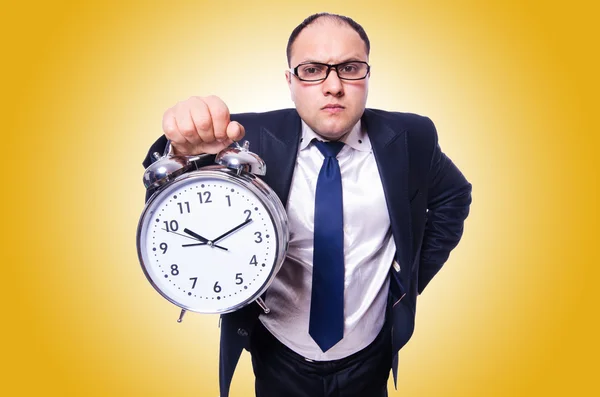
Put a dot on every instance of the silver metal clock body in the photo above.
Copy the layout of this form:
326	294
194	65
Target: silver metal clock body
212	240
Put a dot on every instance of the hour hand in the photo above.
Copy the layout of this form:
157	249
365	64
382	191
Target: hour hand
196	235
203	240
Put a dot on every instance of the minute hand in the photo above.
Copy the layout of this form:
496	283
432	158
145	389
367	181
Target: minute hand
238	227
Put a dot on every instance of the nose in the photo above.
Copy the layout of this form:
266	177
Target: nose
332	85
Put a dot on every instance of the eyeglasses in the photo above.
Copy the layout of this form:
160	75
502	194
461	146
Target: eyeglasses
315	71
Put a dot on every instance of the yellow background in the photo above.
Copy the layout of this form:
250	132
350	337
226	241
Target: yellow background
511	85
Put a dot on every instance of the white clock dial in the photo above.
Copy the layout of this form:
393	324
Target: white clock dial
208	243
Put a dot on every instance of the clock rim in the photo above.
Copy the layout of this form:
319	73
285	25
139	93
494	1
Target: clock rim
261	191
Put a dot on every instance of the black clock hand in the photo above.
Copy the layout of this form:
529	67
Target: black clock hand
204	240
216	246
179	234
241	225
192	245
195	235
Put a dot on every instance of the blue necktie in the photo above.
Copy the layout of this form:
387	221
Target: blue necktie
327	300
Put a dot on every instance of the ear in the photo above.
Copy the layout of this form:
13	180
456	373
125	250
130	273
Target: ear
288	77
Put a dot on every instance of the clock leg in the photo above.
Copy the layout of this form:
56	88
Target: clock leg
180	319
262	305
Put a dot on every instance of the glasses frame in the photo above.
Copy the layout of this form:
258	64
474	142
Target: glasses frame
294	71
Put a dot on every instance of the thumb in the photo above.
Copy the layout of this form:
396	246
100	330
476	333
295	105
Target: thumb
235	131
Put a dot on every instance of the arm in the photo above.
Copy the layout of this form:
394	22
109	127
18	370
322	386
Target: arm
448	204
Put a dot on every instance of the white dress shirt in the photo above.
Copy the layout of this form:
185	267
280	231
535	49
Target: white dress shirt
369	250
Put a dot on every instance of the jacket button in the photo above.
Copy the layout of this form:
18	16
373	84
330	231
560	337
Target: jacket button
242	332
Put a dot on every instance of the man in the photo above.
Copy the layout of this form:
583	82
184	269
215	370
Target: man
344	301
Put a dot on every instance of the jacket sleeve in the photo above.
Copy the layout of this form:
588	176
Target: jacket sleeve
448	204
157	147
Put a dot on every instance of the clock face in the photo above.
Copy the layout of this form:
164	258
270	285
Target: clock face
208	243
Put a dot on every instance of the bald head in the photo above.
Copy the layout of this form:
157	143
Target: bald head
325	17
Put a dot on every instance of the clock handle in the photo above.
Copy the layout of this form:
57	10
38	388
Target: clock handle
262	305
168	148
180	319
245	146
168	151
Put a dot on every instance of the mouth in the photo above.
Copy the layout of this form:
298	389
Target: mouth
333	108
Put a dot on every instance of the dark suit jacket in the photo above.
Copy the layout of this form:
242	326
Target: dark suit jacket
427	198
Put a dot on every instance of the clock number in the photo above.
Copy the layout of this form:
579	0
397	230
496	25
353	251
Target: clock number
238	278
253	261
228	200
163	247
187	206
171	226
258	237
194	279
248	212
217	287
206	197
174	270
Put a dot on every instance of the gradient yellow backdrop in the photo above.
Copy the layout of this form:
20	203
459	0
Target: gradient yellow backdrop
512	87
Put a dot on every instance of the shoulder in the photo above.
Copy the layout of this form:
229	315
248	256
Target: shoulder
283	125
403	121
420	130
264	119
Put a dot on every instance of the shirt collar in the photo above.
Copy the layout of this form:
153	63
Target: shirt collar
357	138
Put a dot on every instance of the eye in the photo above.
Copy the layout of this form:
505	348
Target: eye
311	69
349	68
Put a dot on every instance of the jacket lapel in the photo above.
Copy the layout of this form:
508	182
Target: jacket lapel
390	149
279	149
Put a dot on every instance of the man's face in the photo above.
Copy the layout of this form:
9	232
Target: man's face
330	107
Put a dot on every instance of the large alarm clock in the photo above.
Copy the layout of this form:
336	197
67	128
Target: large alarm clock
211	239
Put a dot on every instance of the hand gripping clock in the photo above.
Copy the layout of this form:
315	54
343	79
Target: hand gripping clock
211	239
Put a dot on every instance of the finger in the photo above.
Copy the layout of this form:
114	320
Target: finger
235	131
171	129
186	122
219	113
202	120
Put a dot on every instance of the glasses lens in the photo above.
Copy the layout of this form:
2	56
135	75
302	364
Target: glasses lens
312	71
352	70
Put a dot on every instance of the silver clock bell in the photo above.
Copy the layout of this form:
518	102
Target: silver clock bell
241	159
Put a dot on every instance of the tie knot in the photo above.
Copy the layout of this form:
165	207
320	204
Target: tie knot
329	149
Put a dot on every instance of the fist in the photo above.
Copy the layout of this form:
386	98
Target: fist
200	125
